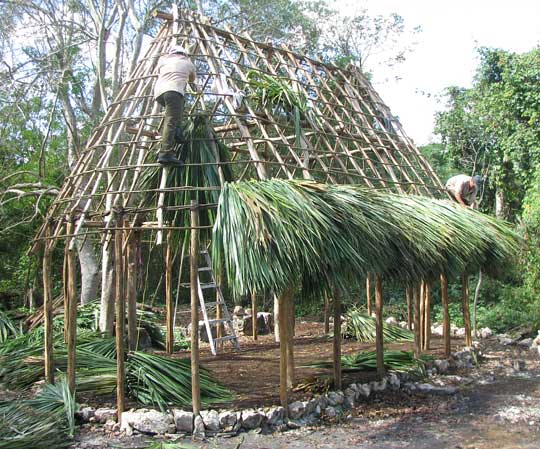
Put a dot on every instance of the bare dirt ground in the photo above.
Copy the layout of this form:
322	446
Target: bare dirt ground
497	406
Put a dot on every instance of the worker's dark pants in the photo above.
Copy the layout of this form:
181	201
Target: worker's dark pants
173	102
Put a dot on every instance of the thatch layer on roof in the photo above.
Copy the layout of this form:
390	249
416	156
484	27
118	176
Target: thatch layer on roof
271	234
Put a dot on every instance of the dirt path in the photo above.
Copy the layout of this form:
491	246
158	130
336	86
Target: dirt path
497	407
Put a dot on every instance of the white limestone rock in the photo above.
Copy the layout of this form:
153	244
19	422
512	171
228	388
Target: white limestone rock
211	420
183	421
148	421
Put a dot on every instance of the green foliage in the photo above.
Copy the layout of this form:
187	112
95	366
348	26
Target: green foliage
400	361
363	328
7	328
45	421
274	234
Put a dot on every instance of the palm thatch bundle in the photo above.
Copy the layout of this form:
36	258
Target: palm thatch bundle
45	421
7	327
399	361
363	328
272	234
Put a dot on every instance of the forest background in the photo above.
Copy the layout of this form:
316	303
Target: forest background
64	60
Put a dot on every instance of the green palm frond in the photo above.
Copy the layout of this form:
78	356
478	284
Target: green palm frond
363	328
272	234
7	328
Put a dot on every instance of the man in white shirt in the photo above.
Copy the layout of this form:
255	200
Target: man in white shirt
464	189
174	69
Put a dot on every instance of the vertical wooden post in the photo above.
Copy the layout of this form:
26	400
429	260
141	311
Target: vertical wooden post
254	315
131	290
417	343
47	308
408	293
277	324
290	338
337	339
193	275
422	307
70	315
368	293
446	315
283	392
120	316
65	282
379	339
465	308
219	313
169	306
427	315
326	313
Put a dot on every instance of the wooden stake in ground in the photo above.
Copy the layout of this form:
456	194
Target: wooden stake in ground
71	313
427	316
277	324
47	309
379	339
120	318
193	277
446	315
337	339
408	293
254	315
368	293
290	338
283	391
465	308
417	333
169	305
422	313
131	289
326	313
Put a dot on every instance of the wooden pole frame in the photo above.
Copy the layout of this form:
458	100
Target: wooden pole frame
194	295
289	303
465	308
368	294
120	318
169	303
71	313
337	340
446	315
427	316
417	333
131	288
254	315
379	338
47	309
283	390
326	313
408	294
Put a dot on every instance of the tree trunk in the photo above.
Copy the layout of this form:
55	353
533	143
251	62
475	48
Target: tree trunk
89	270
501	208
106	310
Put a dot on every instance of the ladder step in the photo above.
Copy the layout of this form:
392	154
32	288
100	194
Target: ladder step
205	269
209	285
216	321
227	338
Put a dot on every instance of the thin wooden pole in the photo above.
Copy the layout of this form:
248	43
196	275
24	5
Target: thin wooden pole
290	338
71	313
277	323
47	309
120	319
368	293
465	308
169	305
422	307
408	293
337	339
283	392
219	313
65	282
417	343
427	315
446	315
379	339
131	290
254	315
193	276
326	313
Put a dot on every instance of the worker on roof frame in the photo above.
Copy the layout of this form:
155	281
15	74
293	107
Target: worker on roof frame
464	189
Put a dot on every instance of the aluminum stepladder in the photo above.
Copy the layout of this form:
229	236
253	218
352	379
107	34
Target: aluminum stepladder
209	308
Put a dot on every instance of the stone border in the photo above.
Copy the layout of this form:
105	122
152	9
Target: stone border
301	413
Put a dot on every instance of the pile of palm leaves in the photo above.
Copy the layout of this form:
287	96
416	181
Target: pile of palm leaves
151	379
363	328
400	361
7	328
276	233
45	421
274	92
